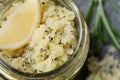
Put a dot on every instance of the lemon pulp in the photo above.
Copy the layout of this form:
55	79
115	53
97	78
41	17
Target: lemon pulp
17	30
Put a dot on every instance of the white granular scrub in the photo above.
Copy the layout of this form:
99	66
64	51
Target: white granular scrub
52	43
106	69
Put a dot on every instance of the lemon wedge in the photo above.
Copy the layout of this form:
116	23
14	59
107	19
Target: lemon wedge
17	30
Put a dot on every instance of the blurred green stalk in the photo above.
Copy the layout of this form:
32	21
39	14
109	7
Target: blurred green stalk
99	20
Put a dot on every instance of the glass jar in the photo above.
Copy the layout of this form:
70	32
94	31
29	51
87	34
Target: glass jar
71	67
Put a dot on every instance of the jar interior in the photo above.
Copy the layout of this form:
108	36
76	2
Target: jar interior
69	5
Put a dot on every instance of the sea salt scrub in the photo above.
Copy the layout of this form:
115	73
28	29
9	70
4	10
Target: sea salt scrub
51	45
107	68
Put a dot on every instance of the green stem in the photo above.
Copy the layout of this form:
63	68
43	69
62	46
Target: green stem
107	26
90	12
97	29
101	34
97	22
97	32
117	33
